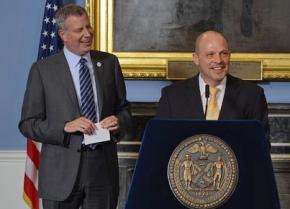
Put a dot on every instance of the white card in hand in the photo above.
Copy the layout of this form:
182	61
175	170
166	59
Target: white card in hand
101	135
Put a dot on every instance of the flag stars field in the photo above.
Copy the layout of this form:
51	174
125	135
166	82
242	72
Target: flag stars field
48	6
46	20
45	33
52	35
43	46
55	7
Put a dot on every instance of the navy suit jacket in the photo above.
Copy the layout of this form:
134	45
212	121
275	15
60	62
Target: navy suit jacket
242	101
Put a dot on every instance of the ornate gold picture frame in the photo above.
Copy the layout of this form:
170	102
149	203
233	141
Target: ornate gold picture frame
154	65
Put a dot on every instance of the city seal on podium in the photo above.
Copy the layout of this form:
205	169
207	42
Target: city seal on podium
202	172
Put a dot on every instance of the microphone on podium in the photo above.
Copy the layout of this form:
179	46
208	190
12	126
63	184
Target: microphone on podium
206	96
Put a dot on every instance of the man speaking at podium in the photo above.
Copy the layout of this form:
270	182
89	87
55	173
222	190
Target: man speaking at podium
213	94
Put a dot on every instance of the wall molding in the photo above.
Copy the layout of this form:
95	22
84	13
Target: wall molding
20	155
12	155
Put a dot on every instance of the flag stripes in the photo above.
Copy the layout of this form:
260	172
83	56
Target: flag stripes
49	44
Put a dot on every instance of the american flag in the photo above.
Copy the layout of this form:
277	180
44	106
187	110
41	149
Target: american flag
50	43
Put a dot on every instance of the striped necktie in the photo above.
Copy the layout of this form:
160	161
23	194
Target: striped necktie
88	108
213	110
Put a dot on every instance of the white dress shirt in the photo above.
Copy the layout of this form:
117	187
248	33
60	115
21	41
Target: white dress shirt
220	94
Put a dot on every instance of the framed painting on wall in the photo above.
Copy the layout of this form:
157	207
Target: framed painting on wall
148	35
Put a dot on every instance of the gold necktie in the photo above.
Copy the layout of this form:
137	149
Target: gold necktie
213	108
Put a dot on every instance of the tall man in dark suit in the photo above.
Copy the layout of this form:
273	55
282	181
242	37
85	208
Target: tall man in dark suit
235	99
71	174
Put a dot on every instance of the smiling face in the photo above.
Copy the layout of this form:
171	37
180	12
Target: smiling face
77	35
212	55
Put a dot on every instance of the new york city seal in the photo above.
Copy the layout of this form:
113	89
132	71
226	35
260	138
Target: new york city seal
202	172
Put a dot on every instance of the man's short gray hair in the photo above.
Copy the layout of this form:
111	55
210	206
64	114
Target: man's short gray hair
68	10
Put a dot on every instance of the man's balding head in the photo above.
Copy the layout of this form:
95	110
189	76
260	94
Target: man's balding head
205	36
212	55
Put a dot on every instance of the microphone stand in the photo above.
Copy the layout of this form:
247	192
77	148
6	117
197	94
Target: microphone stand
206	96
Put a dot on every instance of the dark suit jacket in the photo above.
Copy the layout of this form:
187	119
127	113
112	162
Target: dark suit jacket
50	101
242	101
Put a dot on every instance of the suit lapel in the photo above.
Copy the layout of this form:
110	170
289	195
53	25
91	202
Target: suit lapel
228	101
64	74
194	100
98	66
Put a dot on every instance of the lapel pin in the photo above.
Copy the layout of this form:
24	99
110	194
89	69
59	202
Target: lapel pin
99	64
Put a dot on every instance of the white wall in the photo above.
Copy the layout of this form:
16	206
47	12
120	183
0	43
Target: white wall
12	165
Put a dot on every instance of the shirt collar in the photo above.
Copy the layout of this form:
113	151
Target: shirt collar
221	86
73	59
